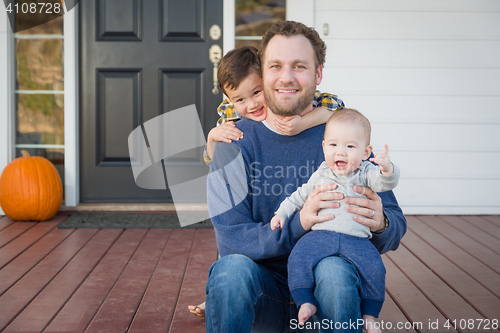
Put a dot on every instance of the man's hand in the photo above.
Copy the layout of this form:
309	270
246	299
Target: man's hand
319	199
384	161
290	126
368	211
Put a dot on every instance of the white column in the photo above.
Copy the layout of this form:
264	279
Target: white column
228	25
71	111
6	92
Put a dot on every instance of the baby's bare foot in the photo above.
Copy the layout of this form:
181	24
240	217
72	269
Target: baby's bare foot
370	324
198	310
306	310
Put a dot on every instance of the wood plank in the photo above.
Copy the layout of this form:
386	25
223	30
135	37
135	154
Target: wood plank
463	251
178	278
118	310
14	230
157	308
487	304
492	218
27	239
484	238
445	299
5	222
45	306
28	259
203	254
21	293
485	225
78	312
416	307
392	319
483	274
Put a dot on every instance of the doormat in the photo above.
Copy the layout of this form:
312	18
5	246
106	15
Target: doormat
132	221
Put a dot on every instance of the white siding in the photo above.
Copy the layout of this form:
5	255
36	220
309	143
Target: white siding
427	75
300	10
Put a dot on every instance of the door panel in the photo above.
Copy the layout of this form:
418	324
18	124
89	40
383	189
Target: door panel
118	20
182	27
180	87
117	112
140	59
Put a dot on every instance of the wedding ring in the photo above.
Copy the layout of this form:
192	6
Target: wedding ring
373	213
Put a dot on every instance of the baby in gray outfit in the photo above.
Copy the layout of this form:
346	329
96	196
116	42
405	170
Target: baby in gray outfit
346	146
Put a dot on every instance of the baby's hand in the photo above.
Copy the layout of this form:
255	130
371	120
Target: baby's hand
225	132
290	126
384	161
277	222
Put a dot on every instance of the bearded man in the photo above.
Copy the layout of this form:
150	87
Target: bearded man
247	288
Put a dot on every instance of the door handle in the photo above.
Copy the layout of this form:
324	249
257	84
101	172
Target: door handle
215	55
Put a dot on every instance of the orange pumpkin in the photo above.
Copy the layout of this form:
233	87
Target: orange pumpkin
30	189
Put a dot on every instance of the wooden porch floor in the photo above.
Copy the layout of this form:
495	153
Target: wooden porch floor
139	280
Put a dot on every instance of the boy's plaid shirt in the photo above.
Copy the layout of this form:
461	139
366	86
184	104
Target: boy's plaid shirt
227	111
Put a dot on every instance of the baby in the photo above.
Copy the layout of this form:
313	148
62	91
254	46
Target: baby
346	146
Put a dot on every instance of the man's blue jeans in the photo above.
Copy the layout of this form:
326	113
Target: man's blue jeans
243	296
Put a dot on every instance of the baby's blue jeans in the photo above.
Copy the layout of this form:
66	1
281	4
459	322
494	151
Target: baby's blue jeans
360	252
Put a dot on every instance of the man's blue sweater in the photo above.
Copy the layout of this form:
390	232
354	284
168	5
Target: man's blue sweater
244	190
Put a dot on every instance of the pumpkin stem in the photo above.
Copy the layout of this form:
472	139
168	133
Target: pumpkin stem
25	153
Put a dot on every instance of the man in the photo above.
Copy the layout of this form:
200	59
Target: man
247	288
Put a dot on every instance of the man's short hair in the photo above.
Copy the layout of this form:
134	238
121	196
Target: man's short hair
236	65
292	28
351	116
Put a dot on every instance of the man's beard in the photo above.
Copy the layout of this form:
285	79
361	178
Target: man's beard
290	107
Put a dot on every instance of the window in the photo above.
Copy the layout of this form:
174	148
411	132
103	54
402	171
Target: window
254	17
39	90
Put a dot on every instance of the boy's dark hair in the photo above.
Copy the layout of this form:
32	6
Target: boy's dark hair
292	28
236	65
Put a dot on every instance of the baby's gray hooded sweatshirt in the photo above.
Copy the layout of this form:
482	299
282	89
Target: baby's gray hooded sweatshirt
367	174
